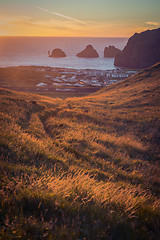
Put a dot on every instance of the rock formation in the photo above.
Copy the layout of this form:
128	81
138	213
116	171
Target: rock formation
111	51
57	53
141	51
88	52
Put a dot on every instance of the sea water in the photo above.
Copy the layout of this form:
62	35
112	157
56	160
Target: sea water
33	51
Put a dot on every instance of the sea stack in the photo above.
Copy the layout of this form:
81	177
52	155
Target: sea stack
56	53
141	51
88	52
111	51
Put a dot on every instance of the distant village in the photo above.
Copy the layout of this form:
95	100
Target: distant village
73	78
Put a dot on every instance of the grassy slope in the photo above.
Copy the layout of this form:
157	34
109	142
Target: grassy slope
82	168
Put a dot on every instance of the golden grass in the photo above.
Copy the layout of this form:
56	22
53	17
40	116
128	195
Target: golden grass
82	168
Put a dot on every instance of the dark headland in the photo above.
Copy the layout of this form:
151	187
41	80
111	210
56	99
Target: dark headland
141	51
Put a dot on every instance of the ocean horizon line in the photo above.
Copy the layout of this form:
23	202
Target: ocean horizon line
60	37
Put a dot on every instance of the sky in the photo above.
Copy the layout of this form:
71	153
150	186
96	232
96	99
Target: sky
78	18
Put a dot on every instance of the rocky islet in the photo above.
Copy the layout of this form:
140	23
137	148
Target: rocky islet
88	52
56	53
111	51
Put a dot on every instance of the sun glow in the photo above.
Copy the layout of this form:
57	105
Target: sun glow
76	19
26	26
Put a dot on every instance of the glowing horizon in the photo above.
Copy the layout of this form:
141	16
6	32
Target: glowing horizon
87	18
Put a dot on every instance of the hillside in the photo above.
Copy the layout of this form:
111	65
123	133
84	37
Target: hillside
82	168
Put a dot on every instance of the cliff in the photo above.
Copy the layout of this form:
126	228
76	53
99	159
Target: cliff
141	51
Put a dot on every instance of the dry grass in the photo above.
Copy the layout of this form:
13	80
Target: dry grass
83	168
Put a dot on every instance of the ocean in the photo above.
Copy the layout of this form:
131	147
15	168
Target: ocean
33	51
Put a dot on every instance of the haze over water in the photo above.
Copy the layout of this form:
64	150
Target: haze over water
27	51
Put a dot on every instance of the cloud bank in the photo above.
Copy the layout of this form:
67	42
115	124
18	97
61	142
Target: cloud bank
153	23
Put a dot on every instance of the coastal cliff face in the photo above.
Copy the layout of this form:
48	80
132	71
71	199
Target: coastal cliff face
111	51
141	51
57	53
88	52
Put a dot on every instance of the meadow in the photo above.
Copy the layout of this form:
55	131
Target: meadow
84	167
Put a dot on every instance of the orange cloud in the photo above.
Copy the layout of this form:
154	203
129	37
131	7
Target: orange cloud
153	23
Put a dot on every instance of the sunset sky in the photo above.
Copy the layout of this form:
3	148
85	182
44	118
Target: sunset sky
78	18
